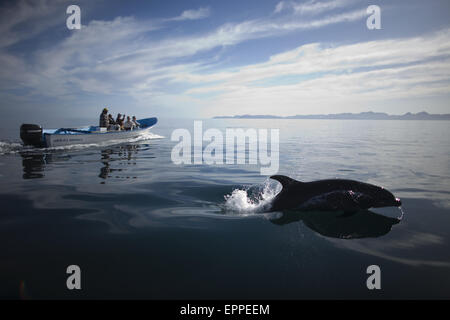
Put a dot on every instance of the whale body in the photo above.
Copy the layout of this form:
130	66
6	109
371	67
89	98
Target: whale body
331	195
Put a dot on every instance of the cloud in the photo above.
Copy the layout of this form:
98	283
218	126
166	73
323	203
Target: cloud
316	77
131	63
311	7
343	92
25	19
235	33
94	59
280	6
200	13
318	58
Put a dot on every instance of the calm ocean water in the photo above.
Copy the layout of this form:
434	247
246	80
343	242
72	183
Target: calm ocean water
140	226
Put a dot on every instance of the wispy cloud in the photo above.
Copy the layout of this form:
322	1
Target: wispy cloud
314	75
32	16
96	59
312	6
317	58
200	13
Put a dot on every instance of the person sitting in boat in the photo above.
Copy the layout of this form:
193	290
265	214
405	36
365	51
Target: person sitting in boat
104	122
119	120
129	125
112	123
136	124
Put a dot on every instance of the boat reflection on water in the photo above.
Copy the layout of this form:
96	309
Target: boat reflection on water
35	162
361	224
126	154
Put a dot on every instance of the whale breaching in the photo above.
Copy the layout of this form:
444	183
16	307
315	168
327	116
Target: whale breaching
331	195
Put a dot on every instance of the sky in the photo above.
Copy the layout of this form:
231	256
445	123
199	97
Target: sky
203	58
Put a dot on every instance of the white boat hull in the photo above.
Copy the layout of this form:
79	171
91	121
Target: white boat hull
59	140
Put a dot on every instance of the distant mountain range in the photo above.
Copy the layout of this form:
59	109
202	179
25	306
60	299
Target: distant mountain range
349	116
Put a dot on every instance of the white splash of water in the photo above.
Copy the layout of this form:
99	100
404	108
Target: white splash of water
243	201
10	147
402	213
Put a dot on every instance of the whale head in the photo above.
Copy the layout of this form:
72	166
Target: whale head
383	198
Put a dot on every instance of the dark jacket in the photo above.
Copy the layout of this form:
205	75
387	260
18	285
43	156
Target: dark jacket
104	121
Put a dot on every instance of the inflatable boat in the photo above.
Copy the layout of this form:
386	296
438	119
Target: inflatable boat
33	134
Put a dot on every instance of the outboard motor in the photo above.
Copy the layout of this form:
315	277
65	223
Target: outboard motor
31	134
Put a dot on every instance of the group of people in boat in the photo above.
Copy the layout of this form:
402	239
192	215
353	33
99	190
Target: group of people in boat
107	121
